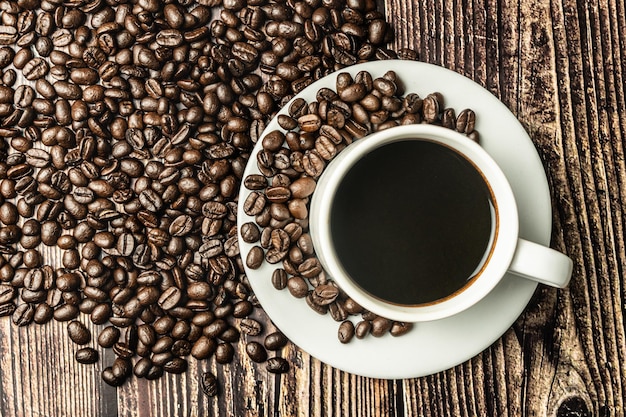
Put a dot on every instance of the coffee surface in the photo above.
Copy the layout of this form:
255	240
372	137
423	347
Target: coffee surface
411	222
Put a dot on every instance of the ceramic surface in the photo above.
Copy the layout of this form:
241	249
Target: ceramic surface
436	345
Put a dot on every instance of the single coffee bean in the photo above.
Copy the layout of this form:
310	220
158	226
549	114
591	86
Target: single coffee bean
123	350
164	324
7	293
182	347
352	307
310	268
23	315
275	341
209	384
78	333
142	367
242	309
170	298
86	355
43	313
155	372
66	312
250	232
400	328
254	258
35	68
175	366
204	347
279	279
7	309
110	378
224	353
362	329
277	365
256	351
302	187
346	331
251	327
121	368
297	286
325	294
380	326
100	314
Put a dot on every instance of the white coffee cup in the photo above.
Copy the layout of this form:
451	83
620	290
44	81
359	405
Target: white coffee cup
507	252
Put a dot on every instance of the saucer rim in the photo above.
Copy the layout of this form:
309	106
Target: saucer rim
508	299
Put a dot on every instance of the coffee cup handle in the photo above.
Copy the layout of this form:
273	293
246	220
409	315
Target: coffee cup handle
542	264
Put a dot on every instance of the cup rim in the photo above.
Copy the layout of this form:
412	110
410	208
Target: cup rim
502	248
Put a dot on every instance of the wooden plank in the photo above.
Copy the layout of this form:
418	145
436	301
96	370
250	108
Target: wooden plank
558	65
40	376
315	389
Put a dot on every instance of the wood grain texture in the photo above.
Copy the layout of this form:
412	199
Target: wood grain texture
558	66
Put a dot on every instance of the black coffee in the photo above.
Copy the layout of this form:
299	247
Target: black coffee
411	222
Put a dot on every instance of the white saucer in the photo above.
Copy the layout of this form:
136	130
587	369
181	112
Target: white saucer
431	346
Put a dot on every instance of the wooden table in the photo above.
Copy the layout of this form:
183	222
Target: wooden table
558	67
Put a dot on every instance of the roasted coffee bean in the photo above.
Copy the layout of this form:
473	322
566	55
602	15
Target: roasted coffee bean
362	329
155	372
431	109
86	355
182	347
279	279
121	368
224	353
251	327
352	307
50	232
204	347
302	187
209	384
78	333
254	204
277	365
297	286
310	268
43	313
7	293
142	367
35	69
170	298
7	309
66	312
400	328
465	121
380	326
255	257
256	351
325	294
8	213
110	378
345	332
101	313
199	291
23	314
255	182
275	341
123	350
169	364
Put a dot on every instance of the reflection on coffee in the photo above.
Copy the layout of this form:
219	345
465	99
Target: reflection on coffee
411	222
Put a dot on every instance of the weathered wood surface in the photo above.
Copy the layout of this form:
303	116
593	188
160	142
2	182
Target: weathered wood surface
558	66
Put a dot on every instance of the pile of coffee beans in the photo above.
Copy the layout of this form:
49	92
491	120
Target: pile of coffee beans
125	127
290	162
